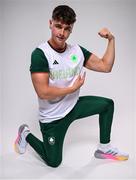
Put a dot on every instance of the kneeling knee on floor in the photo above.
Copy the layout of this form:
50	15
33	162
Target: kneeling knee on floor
54	162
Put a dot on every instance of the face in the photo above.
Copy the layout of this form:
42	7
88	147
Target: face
59	33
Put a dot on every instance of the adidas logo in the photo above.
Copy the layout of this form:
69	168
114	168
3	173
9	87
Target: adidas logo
55	62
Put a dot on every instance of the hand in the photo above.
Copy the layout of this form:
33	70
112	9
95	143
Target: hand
105	33
78	82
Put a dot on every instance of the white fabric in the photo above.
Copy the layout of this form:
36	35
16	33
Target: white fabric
64	68
104	147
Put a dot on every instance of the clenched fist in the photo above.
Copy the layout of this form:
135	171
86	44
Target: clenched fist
105	33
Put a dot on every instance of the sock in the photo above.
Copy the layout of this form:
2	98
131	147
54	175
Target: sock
104	147
26	132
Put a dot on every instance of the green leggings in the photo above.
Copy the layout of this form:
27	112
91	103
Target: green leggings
50	150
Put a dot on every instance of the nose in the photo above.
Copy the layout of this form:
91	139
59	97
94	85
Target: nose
61	33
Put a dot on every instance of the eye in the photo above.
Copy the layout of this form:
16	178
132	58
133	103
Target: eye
58	26
68	29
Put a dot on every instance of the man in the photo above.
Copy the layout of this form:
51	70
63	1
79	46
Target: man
57	75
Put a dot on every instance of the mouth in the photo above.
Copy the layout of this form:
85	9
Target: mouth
60	38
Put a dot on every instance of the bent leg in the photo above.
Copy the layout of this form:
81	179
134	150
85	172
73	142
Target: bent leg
91	105
52	143
37	145
50	150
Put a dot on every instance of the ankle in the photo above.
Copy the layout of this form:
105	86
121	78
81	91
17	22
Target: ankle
104	147
26	132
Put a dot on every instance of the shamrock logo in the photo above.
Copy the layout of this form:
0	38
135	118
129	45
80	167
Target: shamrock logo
74	58
51	140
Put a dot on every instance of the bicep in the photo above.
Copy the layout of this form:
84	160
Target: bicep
95	63
40	82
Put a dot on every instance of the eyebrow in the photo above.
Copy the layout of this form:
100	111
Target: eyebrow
60	24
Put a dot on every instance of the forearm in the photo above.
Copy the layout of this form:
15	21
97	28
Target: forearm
109	56
52	92
47	91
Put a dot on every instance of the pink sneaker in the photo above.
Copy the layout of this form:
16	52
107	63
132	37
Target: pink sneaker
112	153
20	142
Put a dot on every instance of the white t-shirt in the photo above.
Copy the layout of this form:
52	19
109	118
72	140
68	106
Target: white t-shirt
64	68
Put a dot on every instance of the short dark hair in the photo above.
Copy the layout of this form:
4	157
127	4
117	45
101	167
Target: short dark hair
64	14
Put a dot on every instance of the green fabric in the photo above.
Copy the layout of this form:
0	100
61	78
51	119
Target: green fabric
39	62
86	54
51	148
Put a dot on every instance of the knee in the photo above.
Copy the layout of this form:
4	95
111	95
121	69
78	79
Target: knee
110	103
54	163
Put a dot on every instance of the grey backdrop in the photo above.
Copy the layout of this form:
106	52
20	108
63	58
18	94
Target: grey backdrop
23	26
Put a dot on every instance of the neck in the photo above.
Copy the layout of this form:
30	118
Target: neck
56	46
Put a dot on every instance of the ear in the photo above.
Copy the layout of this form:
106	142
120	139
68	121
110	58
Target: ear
50	23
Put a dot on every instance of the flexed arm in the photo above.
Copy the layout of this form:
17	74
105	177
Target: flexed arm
105	63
